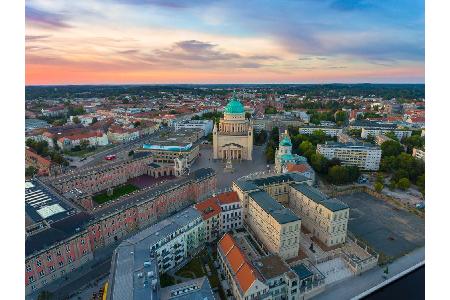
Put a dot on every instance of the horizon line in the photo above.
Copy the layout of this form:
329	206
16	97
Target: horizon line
172	84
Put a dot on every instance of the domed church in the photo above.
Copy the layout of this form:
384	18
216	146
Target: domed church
233	138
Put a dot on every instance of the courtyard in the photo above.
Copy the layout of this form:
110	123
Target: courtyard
390	231
240	168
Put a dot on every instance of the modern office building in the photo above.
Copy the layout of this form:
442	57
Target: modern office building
205	125
366	157
166	147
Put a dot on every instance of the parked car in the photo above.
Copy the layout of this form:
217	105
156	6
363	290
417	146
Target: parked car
110	157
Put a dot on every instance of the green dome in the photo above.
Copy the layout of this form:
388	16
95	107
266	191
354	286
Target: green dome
285	142
234	107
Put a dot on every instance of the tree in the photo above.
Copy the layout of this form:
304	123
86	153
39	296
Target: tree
403	184
306	146
391	148
378	186
84	144
131	153
248	115
338	175
76	120
30	171
94	120
270	110
391	135
137	124
341	117
420	182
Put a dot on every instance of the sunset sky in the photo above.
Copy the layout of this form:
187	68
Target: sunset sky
246	41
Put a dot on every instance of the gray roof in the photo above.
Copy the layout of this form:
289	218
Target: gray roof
302	271
373	124
198	288
131	254
246	185
281	214
320	198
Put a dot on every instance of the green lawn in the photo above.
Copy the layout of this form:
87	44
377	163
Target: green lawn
117	192
195	266
166	280
86	152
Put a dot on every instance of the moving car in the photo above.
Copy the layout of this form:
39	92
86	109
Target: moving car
110	157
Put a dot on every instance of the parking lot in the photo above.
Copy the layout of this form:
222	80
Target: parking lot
386	228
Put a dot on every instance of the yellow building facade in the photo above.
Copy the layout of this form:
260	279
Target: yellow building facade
233	137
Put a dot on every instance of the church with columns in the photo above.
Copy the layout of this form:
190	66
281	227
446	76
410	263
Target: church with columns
233	137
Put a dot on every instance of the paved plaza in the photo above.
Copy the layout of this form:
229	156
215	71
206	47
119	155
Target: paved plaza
383	226
240	168
334	270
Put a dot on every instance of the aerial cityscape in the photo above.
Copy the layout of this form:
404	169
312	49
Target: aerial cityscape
206	150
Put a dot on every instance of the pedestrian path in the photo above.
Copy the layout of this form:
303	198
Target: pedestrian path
355	285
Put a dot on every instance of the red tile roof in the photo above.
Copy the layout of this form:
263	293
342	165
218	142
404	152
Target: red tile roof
245	273
208	208
297	168
228	197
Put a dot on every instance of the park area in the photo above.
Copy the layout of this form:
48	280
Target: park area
117	192
389	230
199	266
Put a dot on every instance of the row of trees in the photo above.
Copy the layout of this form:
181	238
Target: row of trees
214	116
259	138
402	167
272	144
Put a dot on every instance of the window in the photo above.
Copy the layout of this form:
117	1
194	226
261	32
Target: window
61	263
28	268
41	273
49	258
38	263
58	253
31	279
51	268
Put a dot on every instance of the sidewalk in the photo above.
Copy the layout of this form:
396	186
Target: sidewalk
354	286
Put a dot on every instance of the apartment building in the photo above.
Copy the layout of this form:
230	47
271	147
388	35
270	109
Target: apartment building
329	130
324	217
399	133
266	277
210	211
365	157
94	138
221	213
154	250
244	280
